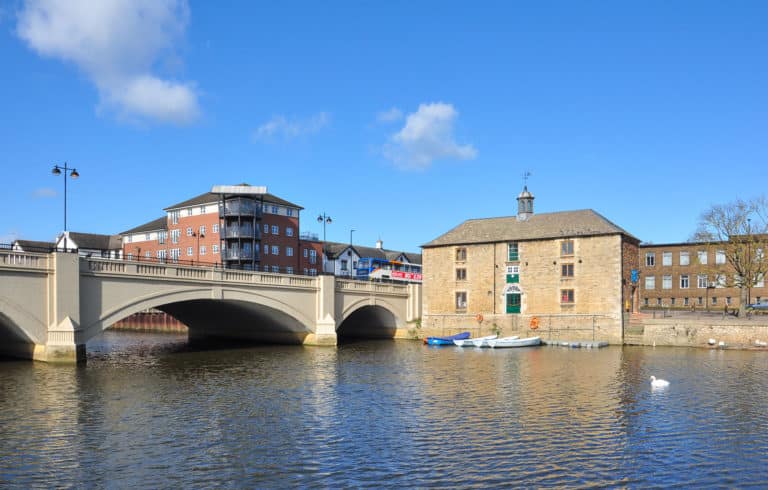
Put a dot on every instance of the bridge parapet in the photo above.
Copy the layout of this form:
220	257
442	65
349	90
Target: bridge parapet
100	266
371	286
25	260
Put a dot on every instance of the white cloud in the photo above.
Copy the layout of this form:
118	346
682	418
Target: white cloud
44	192
391	115
427	136
280	126
116	43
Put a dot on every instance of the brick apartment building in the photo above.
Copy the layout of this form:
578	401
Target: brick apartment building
245	228
690	275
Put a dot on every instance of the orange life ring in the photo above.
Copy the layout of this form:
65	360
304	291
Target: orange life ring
534	323
479	318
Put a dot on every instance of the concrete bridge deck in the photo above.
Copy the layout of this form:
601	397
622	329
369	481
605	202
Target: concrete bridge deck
52	304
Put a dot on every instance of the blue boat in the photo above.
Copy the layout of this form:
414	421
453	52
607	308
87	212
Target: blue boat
446	340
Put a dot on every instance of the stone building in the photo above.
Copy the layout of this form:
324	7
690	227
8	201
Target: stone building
691	276
566	273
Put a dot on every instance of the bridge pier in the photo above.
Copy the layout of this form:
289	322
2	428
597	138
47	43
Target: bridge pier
63	343
325	323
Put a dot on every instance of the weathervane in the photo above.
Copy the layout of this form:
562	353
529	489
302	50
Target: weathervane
525	178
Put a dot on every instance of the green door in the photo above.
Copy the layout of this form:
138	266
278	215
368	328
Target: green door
513	303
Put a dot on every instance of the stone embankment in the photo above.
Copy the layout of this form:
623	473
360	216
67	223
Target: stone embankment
697	329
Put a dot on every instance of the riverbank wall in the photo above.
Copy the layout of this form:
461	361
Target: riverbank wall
151	321
705	330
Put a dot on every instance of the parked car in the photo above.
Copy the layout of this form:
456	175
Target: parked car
760	305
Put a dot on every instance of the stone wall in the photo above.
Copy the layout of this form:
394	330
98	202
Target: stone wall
683	332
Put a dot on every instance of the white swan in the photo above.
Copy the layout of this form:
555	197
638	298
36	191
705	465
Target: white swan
659	383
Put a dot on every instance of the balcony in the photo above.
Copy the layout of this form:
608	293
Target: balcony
240	207
235	254
235	231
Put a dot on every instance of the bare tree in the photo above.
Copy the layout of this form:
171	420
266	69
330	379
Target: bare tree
739	231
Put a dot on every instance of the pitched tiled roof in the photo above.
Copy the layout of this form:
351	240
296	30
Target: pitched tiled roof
334	249
154	225
34	246
210	197
562	224
95	241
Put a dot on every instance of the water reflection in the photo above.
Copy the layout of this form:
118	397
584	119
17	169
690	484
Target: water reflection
382	413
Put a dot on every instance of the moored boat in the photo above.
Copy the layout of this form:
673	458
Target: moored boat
476	342
514	342
446	340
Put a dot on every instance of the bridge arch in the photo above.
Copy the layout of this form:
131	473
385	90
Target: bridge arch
364	318
170	302
21	323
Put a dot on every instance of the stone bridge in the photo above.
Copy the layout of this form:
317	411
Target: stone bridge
52	304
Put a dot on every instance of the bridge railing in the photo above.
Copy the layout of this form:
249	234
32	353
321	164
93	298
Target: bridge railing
187	272
370	286
27	260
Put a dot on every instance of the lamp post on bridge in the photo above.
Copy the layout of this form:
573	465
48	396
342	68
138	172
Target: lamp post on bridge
350	252
325	220
57	170
198	234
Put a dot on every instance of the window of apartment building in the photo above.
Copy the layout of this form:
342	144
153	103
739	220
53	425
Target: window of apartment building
461	253
175	235
147	237
147	254
567	296
189	251
130	256
162	237
288	231
701	282
312	272
714	300
720	257
275	210
201	230
344	264
189	212
215	249
289	251
306	271
684	281
513	252
306	252
275	250
702	255
175	254
666	282
289	211
650	282
289	270
760	283
567	270
566	248
266	228
686	301
215	228
203	249
130	238
700	301
202	209
720	281
266	249
461	300
174	217
685	258
275	230
650	259
666	258
313	256
189	231
461	274
161	254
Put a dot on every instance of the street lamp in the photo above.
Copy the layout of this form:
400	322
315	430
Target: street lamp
325	220
57	171
350	251
198	235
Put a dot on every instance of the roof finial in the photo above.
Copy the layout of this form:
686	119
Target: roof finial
526	174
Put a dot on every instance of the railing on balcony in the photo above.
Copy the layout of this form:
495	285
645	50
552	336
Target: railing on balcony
237	254
236	231
240	207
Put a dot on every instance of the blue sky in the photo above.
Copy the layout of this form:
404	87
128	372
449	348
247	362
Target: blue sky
398	119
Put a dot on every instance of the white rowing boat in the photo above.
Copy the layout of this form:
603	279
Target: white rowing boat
514	342
476	342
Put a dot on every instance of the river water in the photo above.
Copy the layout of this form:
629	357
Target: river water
147	411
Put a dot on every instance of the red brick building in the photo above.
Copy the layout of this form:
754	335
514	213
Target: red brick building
254	231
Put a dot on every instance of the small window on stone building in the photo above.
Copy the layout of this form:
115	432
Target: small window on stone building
685	258
461	300
666	258
461	254
461	274
702	256
658	301
650	282
714	300
513	252
567	270
728	300
720	257
566	296
684	281
700	300
685	301
566	248
666	282
650	259
672	301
